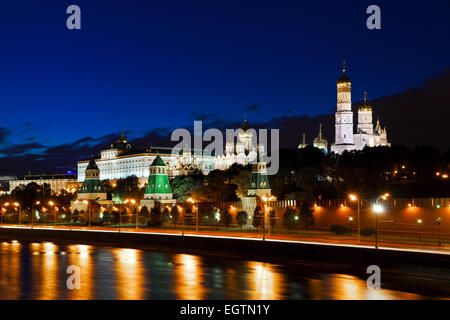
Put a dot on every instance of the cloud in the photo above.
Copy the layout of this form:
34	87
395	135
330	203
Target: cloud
4	132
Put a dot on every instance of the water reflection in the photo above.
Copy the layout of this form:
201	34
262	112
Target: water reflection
38	271
46	262
79	256
265	282
130	279
188	278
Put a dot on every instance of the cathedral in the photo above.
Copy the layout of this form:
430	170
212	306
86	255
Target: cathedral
366	134
242	152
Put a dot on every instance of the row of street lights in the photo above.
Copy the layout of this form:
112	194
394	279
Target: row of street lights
19	205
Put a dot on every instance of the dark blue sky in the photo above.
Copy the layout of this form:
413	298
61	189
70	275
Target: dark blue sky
141	65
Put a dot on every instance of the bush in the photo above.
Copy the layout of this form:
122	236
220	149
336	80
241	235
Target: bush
338	229
367	231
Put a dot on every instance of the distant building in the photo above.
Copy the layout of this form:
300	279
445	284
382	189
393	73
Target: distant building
123	160
303	144
320	142
57	182
242	152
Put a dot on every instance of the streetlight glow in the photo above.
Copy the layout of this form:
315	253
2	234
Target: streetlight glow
378	208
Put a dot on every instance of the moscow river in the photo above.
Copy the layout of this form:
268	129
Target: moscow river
39	271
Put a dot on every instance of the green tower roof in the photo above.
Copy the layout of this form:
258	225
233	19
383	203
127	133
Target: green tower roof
92	186
92	165
158	162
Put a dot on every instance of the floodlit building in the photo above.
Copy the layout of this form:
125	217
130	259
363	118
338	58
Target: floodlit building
345	139
243	151
158	187
57	182
123	160
320	142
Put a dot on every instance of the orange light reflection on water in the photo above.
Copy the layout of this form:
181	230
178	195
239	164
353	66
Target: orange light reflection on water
130	274
79	256
188	278
266	283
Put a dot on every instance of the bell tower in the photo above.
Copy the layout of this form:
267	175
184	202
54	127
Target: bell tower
344	114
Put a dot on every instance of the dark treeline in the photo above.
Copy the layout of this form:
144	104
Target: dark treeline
308	174
304	174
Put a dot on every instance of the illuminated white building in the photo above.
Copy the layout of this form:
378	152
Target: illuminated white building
366	135
243	151
122	160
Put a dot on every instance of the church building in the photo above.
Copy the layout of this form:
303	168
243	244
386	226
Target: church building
366	135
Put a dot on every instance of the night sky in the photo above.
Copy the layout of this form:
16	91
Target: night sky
150	66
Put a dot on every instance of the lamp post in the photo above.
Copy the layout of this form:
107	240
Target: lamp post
419	221
133	202
89	207
438	223
17	204
32	213
377	208
180	209
196	212
1	216
4	211
354	197
120	217
51	204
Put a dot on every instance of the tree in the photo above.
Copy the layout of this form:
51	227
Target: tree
144	215
165	216
241	177
217	188
258	216
306	216
227	218
184	186
128	188
241	218
155	217
290	218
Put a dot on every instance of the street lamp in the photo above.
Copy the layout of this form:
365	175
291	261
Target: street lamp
438	223
354	197
196	212
32	213
180	209
17	204
89	207
265	199
419	221
5	210
133	202
51	204
377	208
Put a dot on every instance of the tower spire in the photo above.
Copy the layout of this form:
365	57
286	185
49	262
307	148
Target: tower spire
304	139
320	131
344	63
365	98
